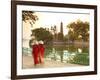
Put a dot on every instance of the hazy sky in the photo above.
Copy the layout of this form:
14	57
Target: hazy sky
48	19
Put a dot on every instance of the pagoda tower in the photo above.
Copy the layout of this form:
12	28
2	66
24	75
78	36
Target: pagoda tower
61	27
61	31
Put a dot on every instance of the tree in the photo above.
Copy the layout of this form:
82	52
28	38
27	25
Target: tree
42	34
29	15
71	35
78	30
54	32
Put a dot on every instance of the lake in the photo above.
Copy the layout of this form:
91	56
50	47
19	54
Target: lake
65	53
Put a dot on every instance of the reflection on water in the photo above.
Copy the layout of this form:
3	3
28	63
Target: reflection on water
65	53
70	53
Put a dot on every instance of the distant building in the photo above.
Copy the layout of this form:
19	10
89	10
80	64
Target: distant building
61	28
61	31
26	34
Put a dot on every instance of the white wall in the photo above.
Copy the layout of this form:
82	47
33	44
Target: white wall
5	37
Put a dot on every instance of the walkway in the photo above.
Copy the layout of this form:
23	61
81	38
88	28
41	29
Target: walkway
28	63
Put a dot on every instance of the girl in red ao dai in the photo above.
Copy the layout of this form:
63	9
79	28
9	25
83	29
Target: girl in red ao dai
41	51
35	52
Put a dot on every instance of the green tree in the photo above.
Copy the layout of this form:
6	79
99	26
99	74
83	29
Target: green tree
71	35
29	15
78	30
42	34
66	38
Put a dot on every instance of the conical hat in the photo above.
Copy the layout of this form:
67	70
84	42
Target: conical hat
41	42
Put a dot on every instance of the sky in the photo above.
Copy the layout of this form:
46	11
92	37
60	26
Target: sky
48	19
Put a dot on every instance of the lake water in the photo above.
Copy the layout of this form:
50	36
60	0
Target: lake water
65	53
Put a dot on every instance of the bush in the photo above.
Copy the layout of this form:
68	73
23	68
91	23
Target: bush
82	59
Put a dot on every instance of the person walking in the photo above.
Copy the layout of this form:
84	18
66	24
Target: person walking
41	51
35	52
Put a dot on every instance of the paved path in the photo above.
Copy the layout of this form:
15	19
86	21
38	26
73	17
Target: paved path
28	63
